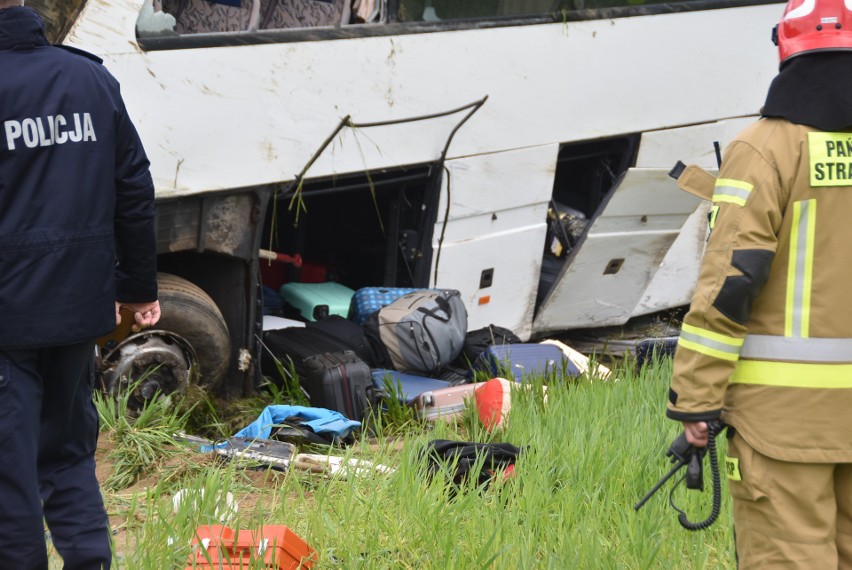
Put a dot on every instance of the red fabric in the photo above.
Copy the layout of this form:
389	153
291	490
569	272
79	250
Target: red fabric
493	401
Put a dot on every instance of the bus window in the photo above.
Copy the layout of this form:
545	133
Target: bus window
436	10
58	15
204	16
279	14
161	17
366	11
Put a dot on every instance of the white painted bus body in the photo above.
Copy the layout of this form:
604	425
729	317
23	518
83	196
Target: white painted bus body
216	119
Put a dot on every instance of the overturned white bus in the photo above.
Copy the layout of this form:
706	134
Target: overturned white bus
515	150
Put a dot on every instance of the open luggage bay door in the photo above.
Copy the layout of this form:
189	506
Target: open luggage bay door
605	277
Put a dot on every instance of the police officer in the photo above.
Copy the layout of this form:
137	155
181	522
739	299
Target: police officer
76	240
767	343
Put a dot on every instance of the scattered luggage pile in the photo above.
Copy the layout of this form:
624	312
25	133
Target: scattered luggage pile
355	345
357	353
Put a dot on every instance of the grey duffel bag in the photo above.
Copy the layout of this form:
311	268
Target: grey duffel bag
421	331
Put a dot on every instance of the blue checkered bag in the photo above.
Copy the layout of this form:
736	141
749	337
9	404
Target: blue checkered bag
368	300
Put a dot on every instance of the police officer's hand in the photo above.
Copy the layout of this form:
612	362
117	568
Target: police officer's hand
145	314
696	433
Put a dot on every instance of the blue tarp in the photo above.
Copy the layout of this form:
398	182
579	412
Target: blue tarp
320	420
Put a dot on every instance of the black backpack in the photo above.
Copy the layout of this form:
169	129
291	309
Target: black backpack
478	341
464	458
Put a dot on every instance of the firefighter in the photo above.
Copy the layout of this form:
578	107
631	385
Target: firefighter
76	240
767	343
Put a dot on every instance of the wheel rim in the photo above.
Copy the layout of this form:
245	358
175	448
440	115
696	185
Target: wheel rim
149	363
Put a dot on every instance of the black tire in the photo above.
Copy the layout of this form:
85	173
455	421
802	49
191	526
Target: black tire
190	313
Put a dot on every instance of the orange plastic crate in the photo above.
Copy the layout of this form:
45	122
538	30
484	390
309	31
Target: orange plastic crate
222	548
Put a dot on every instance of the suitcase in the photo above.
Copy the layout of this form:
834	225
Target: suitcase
477	341
405	386
338	381
368	300
315	301
349	333
291	346
521	360
444	403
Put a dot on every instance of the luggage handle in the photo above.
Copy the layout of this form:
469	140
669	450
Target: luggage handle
443	305
375	394
427	399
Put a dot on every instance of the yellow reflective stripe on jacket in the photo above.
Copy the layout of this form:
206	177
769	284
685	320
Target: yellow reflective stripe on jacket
714	212
800	269
709	342
792	374
797	349
733	191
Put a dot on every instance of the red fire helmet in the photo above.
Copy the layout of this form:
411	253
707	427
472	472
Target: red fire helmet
814	25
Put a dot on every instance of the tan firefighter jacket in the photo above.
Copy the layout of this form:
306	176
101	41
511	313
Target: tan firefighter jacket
767	342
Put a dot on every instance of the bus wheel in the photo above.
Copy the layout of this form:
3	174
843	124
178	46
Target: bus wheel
190	313
148	364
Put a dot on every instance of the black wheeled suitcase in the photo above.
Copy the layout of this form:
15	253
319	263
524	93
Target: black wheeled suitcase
337	381
288	348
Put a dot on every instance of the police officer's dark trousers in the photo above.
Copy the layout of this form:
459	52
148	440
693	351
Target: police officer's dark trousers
48	436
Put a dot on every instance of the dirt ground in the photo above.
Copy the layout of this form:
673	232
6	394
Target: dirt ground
116	502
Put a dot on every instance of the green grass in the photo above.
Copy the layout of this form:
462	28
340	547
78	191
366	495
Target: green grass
591	450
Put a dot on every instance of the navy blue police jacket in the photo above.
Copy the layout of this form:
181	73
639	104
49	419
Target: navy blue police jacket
76	195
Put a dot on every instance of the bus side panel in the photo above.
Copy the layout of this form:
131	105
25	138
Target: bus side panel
674	282
214	118
496	271
495	233
603	279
